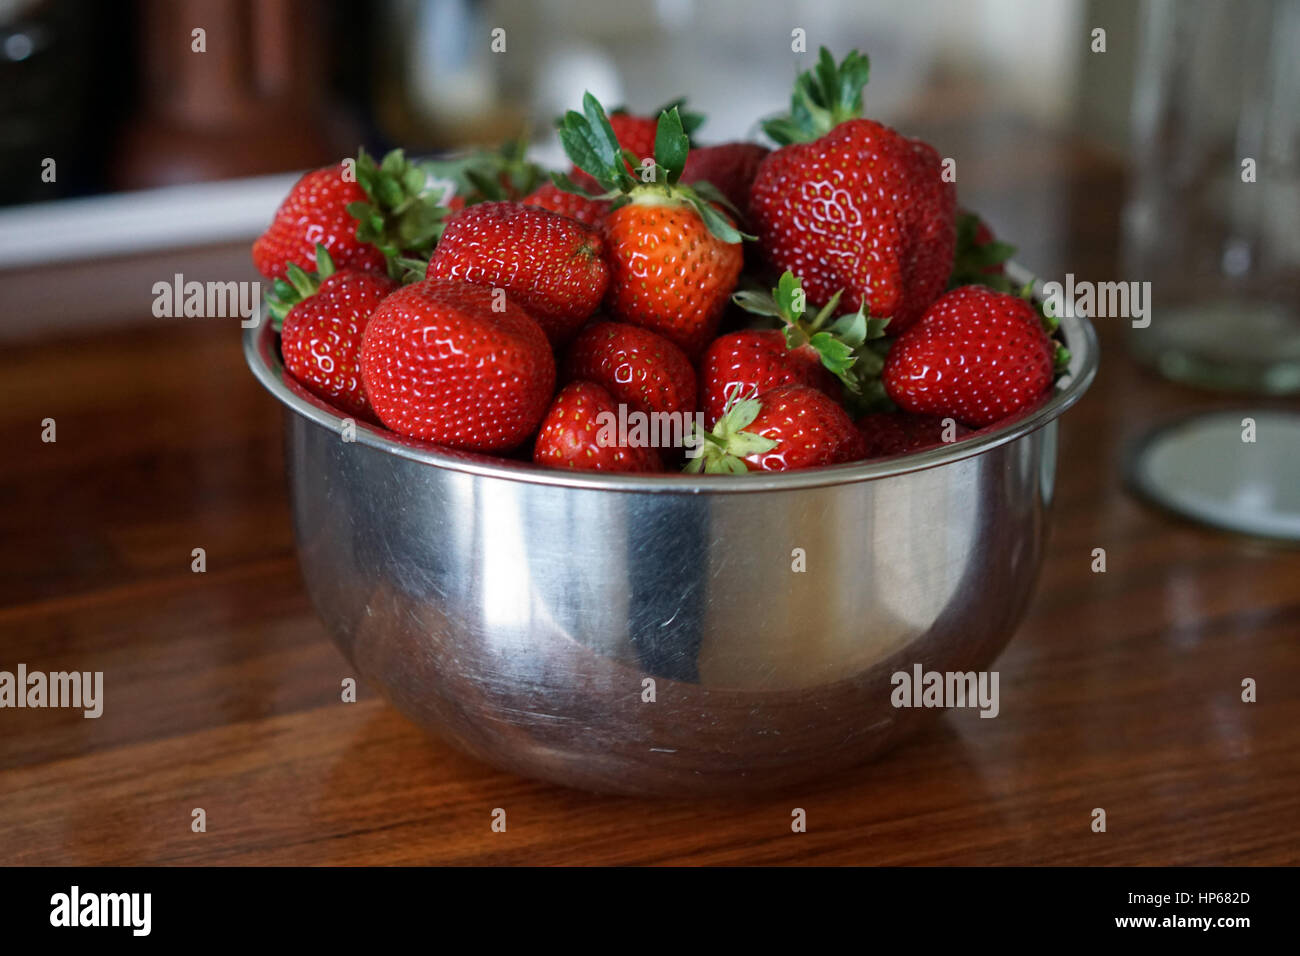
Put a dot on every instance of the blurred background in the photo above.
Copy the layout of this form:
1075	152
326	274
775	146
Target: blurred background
122	98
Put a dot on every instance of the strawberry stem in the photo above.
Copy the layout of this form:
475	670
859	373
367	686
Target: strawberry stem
403	215
842	347
299	285
589	140
823	97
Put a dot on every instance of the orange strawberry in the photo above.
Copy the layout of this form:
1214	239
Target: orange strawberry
673	256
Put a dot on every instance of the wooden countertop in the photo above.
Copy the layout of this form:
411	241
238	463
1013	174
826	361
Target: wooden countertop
222	690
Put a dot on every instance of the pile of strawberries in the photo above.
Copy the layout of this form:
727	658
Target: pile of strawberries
817	303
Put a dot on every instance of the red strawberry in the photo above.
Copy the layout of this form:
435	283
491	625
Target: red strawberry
819	349
731	167
643	370
897	433
635	133
440	363
792	426
552	197
980	256
386	210
316	212
747	363
977	355
550	264
321	336
852	204
571	434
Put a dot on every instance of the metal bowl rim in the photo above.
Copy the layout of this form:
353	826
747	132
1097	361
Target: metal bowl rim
1081	339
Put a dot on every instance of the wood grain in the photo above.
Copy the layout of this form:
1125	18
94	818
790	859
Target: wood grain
1121	690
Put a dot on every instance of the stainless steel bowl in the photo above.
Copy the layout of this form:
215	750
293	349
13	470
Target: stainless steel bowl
648	635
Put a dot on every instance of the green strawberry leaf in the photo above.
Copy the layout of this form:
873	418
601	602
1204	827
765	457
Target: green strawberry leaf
851	328
971	258
716	222
739	413
402	213
706	190
822	98
324	262
564	183
300	285
827	310
410	270
671	145
837	356
724	449
789	297
759	303
743	444
690	121
600	133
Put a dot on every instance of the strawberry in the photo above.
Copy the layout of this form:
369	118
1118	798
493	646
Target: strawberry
440	362
363	220
639	368
550	264
316	213
636	136
980	256
730	167
571	434
324	315
841	347
552	197
897	433
977	355
792	426
746	363
851	204
673	257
